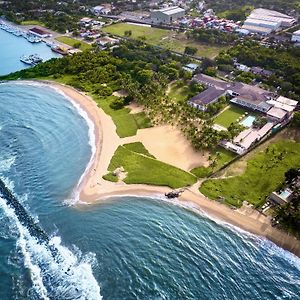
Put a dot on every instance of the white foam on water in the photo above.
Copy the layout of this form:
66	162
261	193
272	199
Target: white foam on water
55	271
6	164
75	199
21	243
191	206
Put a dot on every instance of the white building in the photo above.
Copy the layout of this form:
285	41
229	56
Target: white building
167	15
296	36
102	9
265	21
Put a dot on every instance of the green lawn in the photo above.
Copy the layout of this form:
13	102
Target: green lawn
71	42
127	124
32	22
146	170
220	156
178	91
164	38
264	174
229	116
138	147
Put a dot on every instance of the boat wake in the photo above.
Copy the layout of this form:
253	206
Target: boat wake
56	272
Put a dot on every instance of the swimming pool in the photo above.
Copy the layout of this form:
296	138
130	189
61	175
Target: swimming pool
247	122
285	194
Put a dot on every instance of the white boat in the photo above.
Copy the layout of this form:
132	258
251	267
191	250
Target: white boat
32	59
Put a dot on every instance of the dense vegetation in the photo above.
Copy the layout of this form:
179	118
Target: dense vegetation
141	168
212	36
284	63
288	215
274	161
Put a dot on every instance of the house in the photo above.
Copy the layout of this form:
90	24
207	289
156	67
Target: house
261	71
104	41
39	32
296	36
103	9
281	197
167	15
191	67
86	21
206	98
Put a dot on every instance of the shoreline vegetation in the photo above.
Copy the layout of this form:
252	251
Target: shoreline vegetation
94	188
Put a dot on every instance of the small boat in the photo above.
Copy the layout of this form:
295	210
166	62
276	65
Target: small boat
32	59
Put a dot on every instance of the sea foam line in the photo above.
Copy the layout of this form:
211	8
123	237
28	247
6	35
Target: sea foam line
253	238
75	198
60	276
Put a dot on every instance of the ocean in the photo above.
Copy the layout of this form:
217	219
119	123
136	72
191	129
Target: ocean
123	248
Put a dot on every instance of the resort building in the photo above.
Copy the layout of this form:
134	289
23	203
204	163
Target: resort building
276	110
296	36
207	97
265	21
167	15
39	32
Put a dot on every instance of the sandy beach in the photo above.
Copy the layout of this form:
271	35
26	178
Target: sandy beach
93	188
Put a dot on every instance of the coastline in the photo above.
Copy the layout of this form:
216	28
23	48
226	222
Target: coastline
92	188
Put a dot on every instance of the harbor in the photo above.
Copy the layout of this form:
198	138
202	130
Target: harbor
19	33
17	44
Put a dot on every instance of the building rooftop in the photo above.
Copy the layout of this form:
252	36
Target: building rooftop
257	28
269	12
251	93
280	105
249	139
261	22
277	113
171	10
265	129
208	96
287	101
39	31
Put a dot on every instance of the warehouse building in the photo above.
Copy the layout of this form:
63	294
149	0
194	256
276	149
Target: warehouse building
265	21
167	15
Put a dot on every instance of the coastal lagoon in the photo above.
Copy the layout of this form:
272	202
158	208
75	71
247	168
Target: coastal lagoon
13	47
122	248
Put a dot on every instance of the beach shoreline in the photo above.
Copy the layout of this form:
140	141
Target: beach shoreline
92	188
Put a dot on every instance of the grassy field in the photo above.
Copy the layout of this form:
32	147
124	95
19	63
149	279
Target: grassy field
229	116
164	38
264	174
71	42
127	124
142	169
138	147
178	91
221	157
33	23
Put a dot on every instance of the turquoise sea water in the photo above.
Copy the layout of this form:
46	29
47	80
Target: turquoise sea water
124	248
13	47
